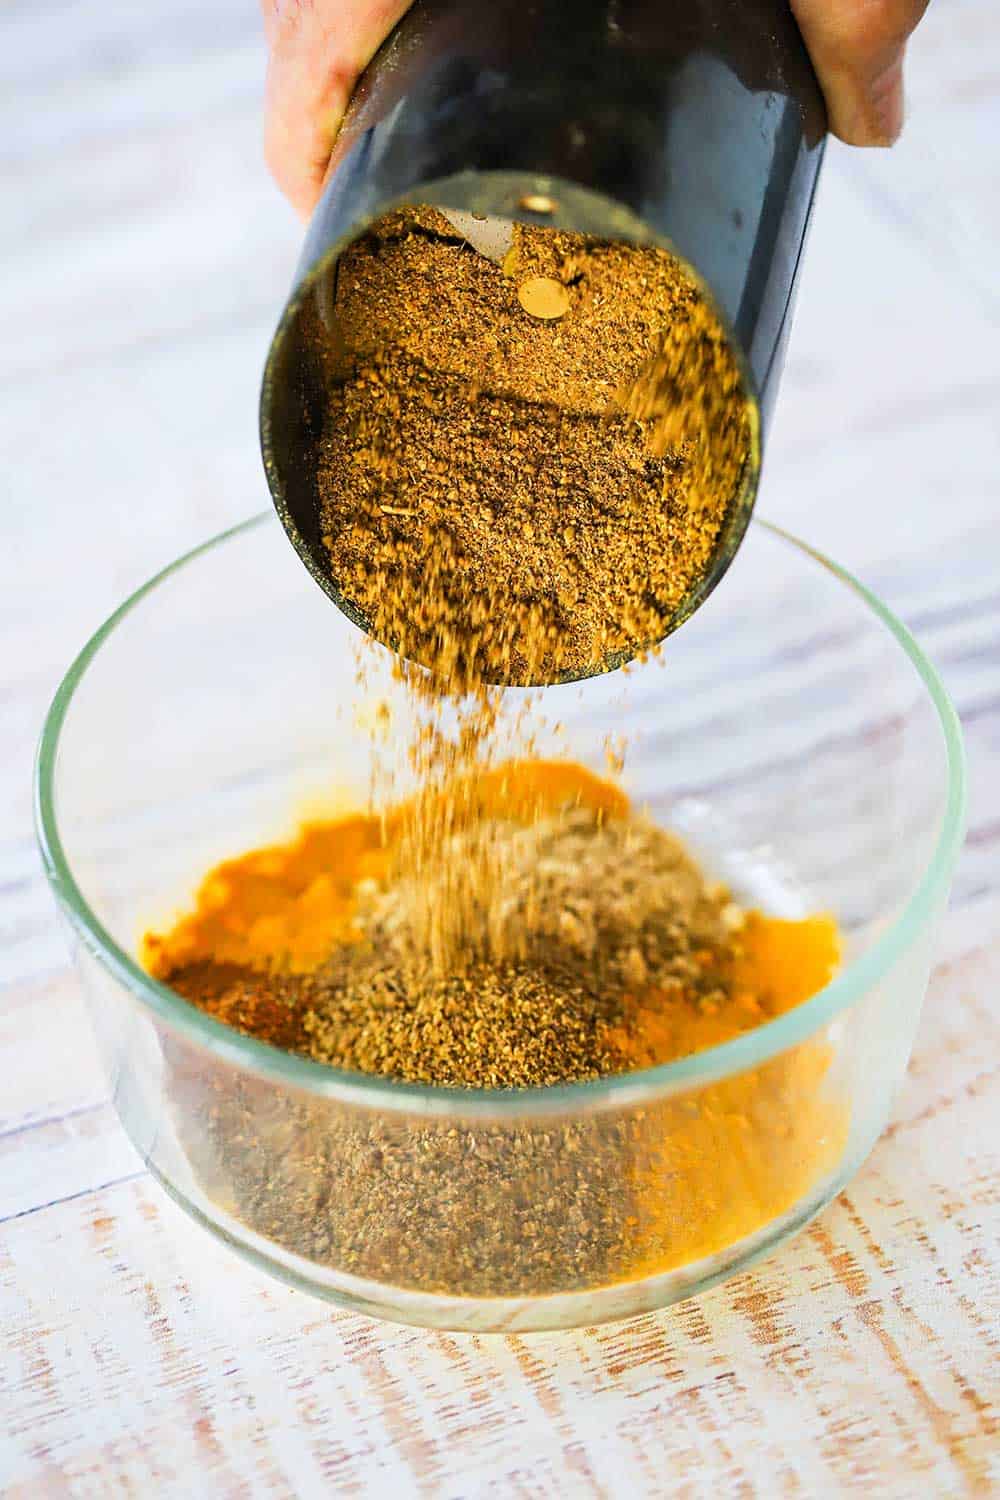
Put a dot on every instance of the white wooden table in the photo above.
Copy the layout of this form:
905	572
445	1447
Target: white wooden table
144	257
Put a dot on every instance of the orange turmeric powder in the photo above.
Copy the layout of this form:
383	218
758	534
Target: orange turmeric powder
287	905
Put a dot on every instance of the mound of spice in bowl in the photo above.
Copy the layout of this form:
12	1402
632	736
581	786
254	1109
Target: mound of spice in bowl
593	945
597	945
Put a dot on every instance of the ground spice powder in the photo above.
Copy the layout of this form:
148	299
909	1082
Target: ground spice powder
524	473
629	958
525	469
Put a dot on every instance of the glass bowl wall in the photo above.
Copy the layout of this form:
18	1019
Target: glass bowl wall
792	732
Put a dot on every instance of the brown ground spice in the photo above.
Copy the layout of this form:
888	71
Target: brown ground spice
512	488
587	913
524	473
629	958
511	496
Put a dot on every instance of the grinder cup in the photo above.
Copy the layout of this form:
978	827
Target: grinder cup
700	129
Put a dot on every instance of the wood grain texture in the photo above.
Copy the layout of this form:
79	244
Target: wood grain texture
145	258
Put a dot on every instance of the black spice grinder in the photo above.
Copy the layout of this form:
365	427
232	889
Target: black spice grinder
699	126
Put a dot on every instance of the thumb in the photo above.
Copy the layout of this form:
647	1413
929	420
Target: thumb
857	48
317	50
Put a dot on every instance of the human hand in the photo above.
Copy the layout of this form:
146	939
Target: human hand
857	49
318	50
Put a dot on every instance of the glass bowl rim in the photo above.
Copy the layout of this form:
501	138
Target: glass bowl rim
619	1090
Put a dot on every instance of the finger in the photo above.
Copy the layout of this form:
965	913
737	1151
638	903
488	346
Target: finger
317	51
857	48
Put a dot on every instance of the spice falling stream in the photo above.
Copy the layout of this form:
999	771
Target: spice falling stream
507	496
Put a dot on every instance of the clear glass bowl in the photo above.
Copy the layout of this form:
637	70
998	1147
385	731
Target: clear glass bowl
793	733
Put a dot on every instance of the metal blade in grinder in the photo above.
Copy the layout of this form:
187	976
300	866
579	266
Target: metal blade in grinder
492	237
